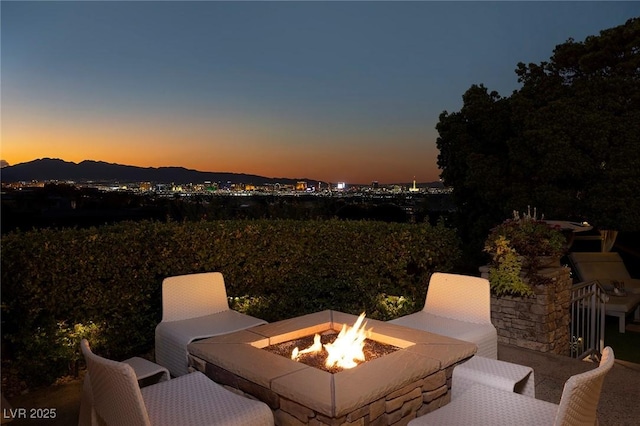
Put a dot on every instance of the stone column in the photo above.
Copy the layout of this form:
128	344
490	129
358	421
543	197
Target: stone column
539	322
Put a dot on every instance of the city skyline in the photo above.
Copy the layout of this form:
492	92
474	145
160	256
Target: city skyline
337	91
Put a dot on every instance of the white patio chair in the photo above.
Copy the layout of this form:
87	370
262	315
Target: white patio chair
484	405
457	306
194	307
146	372
192	399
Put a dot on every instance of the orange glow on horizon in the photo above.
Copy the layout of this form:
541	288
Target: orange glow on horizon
223	148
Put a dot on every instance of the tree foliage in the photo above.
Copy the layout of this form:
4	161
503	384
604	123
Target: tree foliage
473	157
568	141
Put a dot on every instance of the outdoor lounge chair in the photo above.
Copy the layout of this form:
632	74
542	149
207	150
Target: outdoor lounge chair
606	268
146	372
457	306
194	307
484	405
192	399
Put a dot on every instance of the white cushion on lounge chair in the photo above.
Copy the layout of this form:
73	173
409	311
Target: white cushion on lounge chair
194	306
195	399
173	337
483	335
457	306
489	406
484	405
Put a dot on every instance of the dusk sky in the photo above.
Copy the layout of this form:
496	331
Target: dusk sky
333	91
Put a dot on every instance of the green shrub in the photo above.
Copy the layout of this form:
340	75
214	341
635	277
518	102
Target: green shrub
56	283
517	242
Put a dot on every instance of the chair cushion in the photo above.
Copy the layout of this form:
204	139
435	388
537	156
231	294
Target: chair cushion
193	399
173	337
484	405
484	336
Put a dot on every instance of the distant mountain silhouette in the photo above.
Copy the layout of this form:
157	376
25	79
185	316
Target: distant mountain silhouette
55	169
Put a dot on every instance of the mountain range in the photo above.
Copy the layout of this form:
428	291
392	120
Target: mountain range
46	169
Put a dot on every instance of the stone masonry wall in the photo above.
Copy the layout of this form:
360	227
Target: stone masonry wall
397	408
539	322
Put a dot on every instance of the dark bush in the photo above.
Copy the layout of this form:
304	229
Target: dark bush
58	286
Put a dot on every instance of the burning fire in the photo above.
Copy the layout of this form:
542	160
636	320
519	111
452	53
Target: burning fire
346	351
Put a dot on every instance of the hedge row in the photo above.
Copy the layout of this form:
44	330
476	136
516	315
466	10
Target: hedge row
105	283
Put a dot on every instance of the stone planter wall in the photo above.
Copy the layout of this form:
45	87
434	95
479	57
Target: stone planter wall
539	322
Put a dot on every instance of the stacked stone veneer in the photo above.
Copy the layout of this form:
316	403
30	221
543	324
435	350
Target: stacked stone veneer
390	390
539	322
397	408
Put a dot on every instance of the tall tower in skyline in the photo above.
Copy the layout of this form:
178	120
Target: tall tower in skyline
414	188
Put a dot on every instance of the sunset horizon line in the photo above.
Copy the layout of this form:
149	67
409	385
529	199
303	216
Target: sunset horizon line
5	163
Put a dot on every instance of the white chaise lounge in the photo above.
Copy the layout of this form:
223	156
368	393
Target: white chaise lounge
194	307
457	306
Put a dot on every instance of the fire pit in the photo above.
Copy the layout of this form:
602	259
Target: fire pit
349	348
411	380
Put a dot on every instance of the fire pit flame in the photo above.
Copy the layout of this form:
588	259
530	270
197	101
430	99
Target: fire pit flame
346	350
316	347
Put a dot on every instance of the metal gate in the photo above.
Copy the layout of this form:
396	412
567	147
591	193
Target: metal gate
587	320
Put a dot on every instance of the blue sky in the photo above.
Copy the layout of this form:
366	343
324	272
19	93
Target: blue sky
334	91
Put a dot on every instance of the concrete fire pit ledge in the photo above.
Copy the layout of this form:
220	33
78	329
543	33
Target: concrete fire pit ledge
413	380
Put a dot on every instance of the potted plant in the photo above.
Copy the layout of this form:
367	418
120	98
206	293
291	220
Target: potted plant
522	244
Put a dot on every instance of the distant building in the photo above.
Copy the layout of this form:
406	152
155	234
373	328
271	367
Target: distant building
301	186
146	186
414	188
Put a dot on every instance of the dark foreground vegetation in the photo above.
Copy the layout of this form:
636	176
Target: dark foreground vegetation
105	283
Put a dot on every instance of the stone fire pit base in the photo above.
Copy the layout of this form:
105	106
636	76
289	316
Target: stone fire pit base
389	390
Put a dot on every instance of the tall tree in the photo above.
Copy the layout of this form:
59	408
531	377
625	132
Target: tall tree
580	120
567	142
473	159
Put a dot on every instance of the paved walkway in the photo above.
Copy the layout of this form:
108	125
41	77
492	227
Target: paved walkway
619	402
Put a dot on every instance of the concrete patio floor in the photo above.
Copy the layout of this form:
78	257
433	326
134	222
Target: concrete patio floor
619	402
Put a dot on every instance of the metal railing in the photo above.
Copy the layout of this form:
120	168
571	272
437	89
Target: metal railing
587	320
